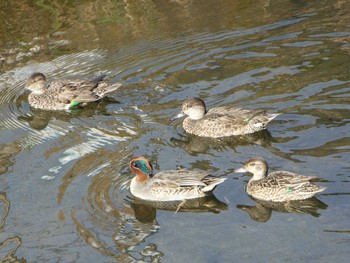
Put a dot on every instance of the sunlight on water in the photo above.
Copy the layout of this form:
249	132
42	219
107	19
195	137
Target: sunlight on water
94	143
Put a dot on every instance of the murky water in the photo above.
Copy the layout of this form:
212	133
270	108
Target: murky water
64	175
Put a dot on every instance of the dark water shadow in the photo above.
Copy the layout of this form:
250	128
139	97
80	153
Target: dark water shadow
8	153
38	119
194	144
145	211
9	246
132	224
262	211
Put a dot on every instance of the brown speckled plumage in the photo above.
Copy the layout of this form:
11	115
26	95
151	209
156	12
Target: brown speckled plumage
278	186
222	121
62	94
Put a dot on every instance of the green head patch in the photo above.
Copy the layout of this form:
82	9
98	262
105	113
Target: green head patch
142	165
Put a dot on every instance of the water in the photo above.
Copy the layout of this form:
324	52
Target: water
64	175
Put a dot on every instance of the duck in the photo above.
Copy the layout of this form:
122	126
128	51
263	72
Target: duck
279	186
221	121
171	185
65	94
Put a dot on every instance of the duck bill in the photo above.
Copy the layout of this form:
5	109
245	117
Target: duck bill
25	91
240	170
178	116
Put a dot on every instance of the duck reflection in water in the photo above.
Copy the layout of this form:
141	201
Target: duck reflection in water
132	231
39	119
195	144
262	210
145	211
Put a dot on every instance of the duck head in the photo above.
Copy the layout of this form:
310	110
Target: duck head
36	83
141	167
192	107
257	166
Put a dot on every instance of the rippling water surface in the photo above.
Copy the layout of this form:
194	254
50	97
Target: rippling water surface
64	176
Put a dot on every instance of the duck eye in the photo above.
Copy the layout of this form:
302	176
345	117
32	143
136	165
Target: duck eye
252	164
134	164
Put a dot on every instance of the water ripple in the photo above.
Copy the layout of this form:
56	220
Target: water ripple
82	156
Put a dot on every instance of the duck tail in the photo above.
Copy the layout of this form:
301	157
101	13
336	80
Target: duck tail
212	183
320	189
271	116
310	190
103	88
260	122
113	87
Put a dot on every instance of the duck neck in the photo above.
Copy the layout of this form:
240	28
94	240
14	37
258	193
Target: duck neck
141	177
38	92
39	89
197	114
258	175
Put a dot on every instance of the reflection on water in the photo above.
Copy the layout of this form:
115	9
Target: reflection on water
195	144
9	246
130	228
205	204
7	154
262	210
4	209
8	249
64	175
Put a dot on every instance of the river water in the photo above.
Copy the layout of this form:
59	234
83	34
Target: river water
64	176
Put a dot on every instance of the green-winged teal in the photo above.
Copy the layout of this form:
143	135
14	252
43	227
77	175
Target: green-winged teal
278	186
221	121
65	94
170	185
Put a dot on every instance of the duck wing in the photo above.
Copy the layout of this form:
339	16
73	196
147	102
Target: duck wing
76	90
284	179
217	123
237	113
230	117
178	178
283	186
